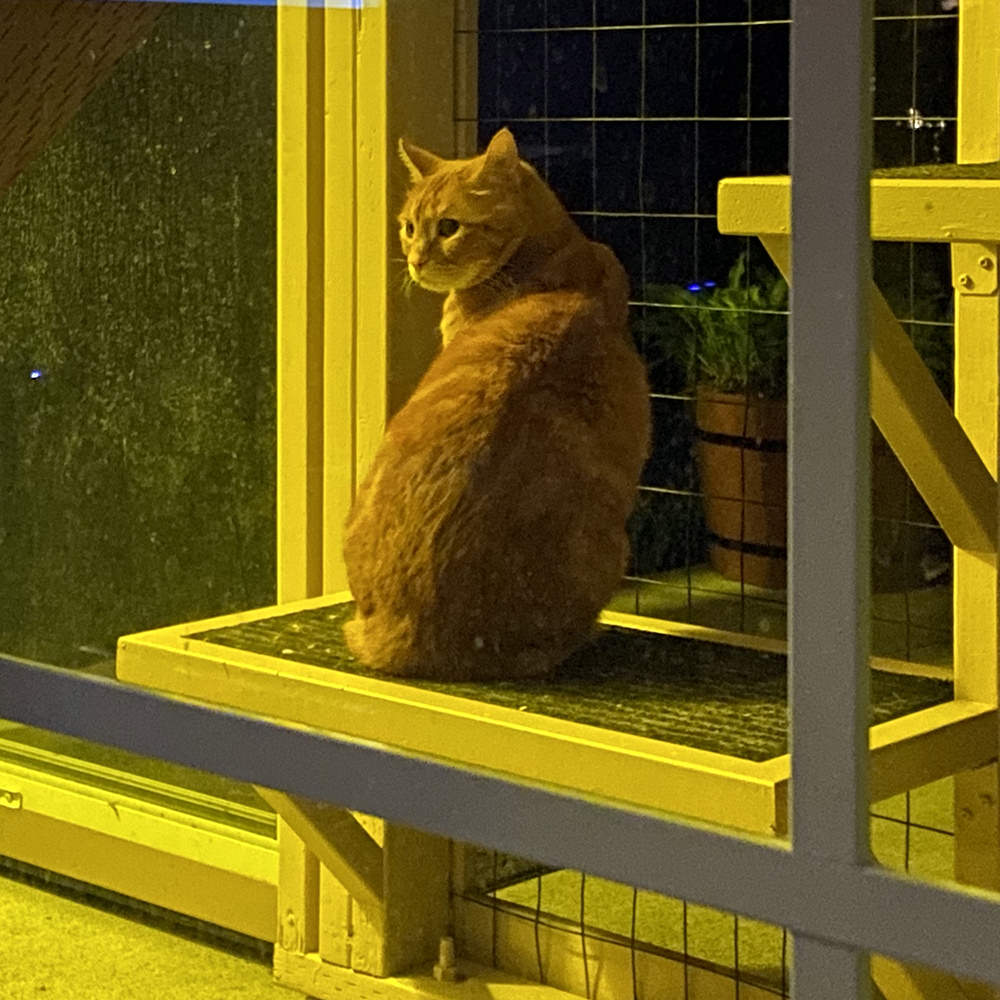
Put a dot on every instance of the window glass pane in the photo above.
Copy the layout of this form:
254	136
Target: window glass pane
137	407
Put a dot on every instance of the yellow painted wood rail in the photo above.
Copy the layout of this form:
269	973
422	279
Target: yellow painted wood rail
952	204
703	785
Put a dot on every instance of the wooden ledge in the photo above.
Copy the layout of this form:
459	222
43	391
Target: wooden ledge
585	759
929	208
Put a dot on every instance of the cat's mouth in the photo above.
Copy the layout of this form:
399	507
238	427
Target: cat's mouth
442	280
429	281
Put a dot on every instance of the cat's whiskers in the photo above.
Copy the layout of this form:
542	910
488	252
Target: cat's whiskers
406	282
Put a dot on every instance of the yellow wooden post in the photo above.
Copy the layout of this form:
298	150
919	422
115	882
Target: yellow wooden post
300	68
300	301
351	348
340	281
977	323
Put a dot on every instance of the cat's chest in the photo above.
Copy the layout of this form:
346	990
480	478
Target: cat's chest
463	310
451	322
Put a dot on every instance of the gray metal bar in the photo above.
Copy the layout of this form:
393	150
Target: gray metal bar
829	458
823	971
852	907
830	446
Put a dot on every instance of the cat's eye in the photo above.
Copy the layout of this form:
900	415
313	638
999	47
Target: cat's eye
408	228
447	227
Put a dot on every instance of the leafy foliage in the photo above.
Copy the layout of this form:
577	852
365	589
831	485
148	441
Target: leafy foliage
733	337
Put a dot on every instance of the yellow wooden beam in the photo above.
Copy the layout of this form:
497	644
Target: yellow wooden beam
340	842
977	323
338	374
300	301
923	210
921	428
978	82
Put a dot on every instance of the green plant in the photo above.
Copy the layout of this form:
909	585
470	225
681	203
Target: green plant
733	337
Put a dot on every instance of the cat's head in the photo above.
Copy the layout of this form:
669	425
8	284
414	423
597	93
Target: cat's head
463	219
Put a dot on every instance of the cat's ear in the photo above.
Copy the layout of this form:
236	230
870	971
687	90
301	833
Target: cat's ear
501	154
418	161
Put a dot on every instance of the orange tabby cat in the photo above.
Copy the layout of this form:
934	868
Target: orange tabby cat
490	530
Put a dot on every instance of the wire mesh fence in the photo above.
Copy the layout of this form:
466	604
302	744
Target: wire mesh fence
600	939
633	111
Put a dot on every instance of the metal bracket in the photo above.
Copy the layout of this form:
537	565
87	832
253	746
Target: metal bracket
974	268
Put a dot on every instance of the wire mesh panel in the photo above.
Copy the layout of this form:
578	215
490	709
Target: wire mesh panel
633	112
597	938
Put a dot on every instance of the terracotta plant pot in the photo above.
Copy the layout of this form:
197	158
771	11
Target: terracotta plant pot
742	451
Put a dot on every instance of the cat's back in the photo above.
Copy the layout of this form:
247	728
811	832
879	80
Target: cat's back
547	385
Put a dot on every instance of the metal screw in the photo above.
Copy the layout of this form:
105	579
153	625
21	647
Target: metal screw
986	263
965	280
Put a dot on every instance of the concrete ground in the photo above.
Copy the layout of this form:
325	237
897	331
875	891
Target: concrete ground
55	946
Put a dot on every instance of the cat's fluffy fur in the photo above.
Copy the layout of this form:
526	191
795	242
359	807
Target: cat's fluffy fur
490	530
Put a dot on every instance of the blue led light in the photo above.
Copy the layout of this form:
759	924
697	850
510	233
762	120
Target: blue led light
709	284
694	287
35	374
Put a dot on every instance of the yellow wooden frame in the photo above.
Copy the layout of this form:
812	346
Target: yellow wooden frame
351	348
584	760
145	840
951	457
340	379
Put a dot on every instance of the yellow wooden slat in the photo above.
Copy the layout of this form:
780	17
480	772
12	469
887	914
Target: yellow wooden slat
978	82
903	209
977	325
298	893
912	982
322	981
921	428
341	275
300	301
372	229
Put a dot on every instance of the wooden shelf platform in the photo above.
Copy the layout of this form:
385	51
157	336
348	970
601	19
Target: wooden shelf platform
644	714
941	204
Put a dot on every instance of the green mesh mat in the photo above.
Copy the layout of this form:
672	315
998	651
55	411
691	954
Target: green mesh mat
943	171
699	694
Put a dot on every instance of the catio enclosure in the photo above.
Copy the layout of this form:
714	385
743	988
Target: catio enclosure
144	309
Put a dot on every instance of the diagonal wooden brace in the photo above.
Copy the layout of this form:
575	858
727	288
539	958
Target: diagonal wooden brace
340	843
921	428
